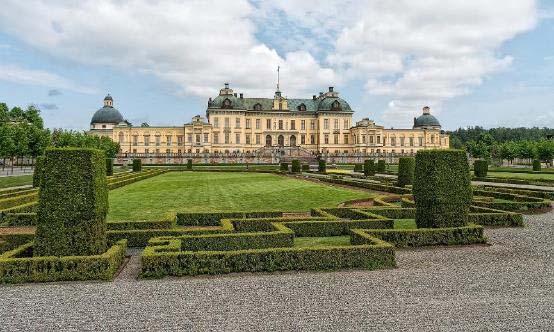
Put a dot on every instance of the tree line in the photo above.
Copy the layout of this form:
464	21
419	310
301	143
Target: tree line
22	134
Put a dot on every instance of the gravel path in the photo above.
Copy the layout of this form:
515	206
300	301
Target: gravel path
513	185
508	286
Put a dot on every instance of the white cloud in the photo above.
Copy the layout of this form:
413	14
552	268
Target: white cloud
17	74
197	45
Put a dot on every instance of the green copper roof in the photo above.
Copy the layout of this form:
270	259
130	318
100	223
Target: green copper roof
426	120
107	114
267	103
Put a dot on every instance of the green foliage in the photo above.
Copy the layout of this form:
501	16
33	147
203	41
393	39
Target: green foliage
73	203
284	167
491	217
442	188
214	218
381	166
140	224
322	166
305	167
189	164
69	138
109	166
16	200
296	167
406	168
137	165
480	168
536	165
369	167
358	168
17	267
22	132
20	219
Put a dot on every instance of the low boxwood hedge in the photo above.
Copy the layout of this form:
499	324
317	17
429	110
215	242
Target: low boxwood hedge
381	166
20	219
11	202
17	265
141	224
284	167
137	165
214	218
358	168
296	167
322	166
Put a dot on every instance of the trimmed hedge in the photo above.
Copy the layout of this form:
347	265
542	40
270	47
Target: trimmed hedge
406	168
335	227
109	166
381	166
137	165
214	218
442	188
295	168
536	165
471	234
189	164
12	202
480	168
140	237
161	260
37	174
322	166
305	167
73	203
17	269
373	185
284	167
20	219
369	167
140	224
358	168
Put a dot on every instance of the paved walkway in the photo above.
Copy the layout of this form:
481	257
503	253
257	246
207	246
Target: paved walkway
512	185
508	286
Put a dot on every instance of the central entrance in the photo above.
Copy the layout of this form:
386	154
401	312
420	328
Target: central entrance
281	140
268	140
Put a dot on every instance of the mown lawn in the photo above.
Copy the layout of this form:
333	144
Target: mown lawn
524	176
163	195
15	181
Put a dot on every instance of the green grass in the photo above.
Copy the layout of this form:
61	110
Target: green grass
305	242
404	224
162	196
15	181
524	176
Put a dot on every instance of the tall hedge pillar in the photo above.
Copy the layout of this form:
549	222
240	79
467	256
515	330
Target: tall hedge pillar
369	167
406	168
442	188
109	166
73	203
37	174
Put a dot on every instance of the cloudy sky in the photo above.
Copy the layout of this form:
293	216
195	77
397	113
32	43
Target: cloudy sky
475	62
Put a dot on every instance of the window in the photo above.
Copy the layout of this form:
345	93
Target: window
189	138
325	123
146	151
257	123
346	124
301	107
247	139
179	151
237	138
180	140
157	140
411	141
157	151
371	139
312	139
345	139
432	139
302	139
393	141
363	139
121	137
326	140
135	139
312	124
280	124
197	138
268	124
258	107
237	123
216	138
146	140
226	104
167	151
402	141
134	150
335	106
227	125
227	138
247	124
168	139
336	126
292	125
257	138
336	139
420	141
378	139
216	122
303	125
206	137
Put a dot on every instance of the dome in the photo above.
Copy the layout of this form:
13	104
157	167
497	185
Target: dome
426	120
107	114
108	97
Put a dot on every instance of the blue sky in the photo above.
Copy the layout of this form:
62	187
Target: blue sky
474	63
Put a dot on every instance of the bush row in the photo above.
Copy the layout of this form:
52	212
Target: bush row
21	192
16	268
140	237
140	224
361	184
11	202
20	219
213	219
335	227
133	179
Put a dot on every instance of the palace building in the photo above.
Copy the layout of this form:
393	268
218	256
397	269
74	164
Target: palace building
237	124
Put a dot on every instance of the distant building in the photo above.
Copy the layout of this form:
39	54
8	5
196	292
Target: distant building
321	124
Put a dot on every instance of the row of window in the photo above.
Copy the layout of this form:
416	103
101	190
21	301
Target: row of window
281	124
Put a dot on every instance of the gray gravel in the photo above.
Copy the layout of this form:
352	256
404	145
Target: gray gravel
503	287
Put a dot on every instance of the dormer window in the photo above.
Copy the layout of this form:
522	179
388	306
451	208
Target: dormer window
258	107
335	106
301	107
226	103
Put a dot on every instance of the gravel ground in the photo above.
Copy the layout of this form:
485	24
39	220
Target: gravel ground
507	286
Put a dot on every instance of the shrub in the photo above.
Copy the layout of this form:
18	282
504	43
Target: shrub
214	218
109	166
381	166
189	164
73	203
284	167
480	168
536	165
12	202
141	224
37	174
406	167
358	168
137	165
442	188
295	168
20	219
322	166
305	167
369	167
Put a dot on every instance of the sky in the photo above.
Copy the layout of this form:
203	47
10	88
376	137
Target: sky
488	63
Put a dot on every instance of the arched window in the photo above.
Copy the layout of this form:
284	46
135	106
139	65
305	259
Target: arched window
268	140
301	107
258	107
226	103
281	140
121	137
335	106
293	140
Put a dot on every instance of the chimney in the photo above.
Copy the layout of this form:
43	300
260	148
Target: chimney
235	94
314	97
320	93
241	95
330	89
226	85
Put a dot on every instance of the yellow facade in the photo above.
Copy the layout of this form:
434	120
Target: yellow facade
322	124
